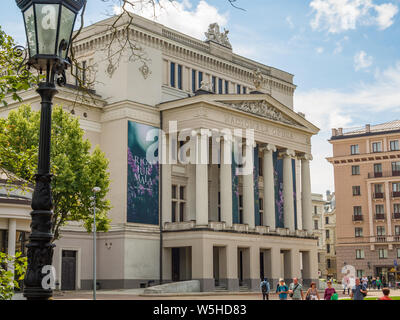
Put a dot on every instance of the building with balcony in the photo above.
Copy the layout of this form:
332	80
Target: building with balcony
366	165
199	220
329	218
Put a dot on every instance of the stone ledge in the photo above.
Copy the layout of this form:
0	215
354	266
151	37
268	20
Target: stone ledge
192	286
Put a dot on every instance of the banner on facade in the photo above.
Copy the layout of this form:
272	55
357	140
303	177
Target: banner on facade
143	177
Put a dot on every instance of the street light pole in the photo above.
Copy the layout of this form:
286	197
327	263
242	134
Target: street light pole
49	25
95	191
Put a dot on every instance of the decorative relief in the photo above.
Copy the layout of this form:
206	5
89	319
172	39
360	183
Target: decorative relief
205	86
145	70
263	109
258	79
214	34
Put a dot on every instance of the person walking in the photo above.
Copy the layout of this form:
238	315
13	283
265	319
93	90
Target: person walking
282	289
265	289
296	290
359	291
378	283
373	283
346	284
329	291
364	281
312	292
386	292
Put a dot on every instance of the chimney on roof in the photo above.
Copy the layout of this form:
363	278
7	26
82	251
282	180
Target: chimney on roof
340	131
367	128
334	132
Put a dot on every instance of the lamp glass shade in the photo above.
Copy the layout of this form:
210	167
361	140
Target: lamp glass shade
47	25
29	18
66	26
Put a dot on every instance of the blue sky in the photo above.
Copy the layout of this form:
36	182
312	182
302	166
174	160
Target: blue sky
344	54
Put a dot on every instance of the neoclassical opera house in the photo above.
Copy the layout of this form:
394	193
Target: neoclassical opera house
198	220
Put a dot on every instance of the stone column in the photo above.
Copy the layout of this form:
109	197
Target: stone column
231	258
167	264
306	204
166	185
269	186
202	265
213	192
254	268
226	182
248	188
202	180
295	263
12	238
288	205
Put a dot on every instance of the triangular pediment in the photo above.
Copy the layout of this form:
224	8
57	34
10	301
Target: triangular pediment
259	105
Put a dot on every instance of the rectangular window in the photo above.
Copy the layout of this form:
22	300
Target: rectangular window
200	77
357	211
238	89
214	84
328	248
377	147
244	90
396	208
396	168
378	169
360	254
354	149
394	145
355	170
179	77
356	190
240	209
328	263
226	87
194	87
174	211
358	232
396	187
84	72
380	231
360	273
379	209
327	234
315	224
397	230
383	254
315	210
398	252
220	87
172	75
182	211
326	220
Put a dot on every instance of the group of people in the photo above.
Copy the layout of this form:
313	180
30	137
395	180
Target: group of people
370	283
295	290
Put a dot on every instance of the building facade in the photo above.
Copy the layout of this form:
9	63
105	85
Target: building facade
366	165
318	208
198	220
329	218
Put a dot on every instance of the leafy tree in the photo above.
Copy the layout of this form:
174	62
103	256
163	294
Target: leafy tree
76	170
13	78
10	280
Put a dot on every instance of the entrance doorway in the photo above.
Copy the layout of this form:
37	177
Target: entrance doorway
181	264
175	264
68	270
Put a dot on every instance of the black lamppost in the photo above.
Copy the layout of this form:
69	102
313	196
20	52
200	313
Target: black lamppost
48	25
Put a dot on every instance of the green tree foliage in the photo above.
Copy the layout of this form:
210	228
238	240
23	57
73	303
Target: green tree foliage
76	170
12	81
9	281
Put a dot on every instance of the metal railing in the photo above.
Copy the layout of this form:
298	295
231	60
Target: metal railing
358	217
384	174
379	195
380	216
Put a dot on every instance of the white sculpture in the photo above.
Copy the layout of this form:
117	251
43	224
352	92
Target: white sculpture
214	34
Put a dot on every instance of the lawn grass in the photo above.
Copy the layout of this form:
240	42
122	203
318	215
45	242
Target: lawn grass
374	298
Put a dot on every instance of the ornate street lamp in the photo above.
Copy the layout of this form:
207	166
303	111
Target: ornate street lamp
49	25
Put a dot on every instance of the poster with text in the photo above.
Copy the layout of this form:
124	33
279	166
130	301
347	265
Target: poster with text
143	177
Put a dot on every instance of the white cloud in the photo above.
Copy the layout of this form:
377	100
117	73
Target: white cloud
339	45
341	15
319	50
181	15
362	60
334	109
290	22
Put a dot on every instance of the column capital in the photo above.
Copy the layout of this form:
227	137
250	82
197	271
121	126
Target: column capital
268	147
306	156
287	153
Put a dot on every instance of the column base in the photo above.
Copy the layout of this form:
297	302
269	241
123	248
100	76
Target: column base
253	284
232	285
207	285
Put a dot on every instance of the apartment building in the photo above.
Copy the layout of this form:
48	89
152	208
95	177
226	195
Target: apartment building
366	165
318	207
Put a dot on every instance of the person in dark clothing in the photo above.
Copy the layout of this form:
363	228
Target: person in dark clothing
265	289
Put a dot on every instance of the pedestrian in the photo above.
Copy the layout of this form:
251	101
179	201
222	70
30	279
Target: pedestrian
312	292
378	283
364	281
265	289
296	290
346	284
282	289
359	291
386	292
373	283
329	291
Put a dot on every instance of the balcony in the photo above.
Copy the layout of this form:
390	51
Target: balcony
380	216
358	217
395	194
396	238
379	195
385	174
396	215
380	238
